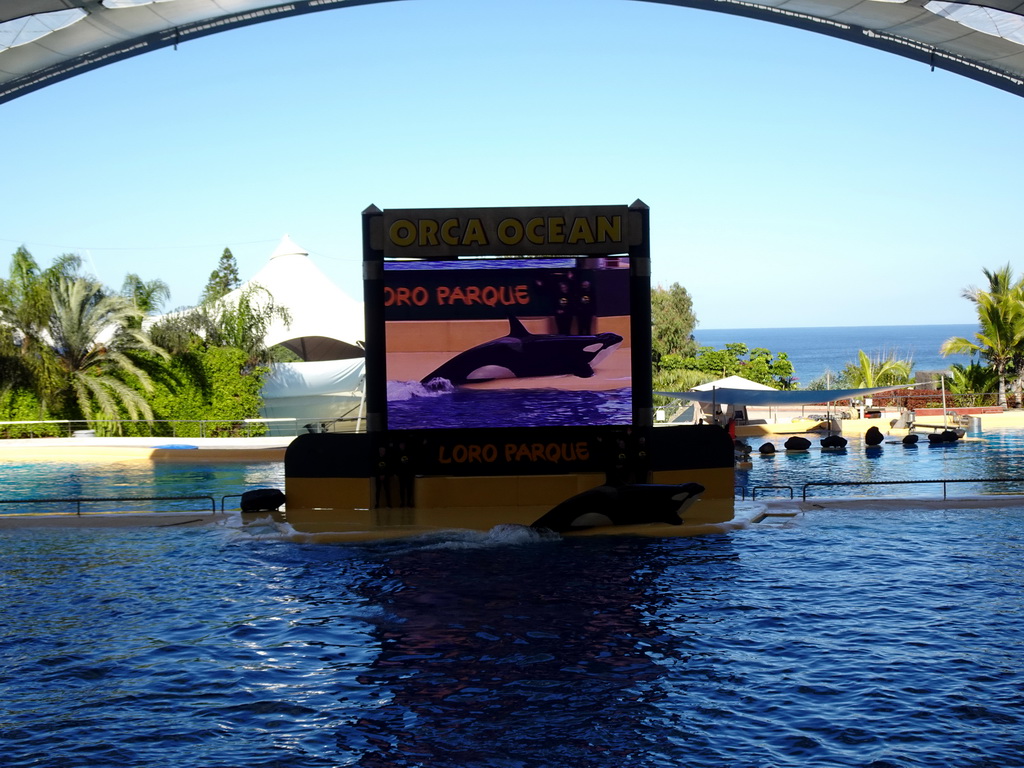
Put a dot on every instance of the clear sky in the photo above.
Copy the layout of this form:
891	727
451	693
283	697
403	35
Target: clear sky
793	180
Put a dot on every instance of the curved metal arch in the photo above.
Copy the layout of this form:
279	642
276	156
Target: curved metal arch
906	29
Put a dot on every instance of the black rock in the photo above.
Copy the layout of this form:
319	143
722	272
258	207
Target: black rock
797	444
833	441
874	436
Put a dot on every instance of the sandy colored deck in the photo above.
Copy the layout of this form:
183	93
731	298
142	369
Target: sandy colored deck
144	449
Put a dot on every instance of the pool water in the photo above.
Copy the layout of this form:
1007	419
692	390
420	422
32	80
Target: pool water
68	480
866	638
995	453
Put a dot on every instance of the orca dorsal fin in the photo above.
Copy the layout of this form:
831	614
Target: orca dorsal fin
516	328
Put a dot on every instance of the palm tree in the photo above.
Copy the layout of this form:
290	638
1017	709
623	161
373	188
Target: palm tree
972	379
1000	338
25	297
26	304
92	335
877	372
146	296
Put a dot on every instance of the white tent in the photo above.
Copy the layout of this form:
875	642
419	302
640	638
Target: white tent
325	322
325	329
314	396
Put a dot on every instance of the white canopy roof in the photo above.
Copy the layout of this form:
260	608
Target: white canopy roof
325	324
733	382
46	41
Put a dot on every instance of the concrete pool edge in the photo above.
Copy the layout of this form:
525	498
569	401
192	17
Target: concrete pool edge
112	520
760	509
748	514
102	449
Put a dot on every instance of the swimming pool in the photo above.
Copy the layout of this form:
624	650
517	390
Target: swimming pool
993	453
846	639
990	454
62	479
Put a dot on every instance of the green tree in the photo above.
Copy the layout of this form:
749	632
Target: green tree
26	296
828	380
222	280
758	365
973	379
208	392
879	371
242	324
1000	337
26	307
92	336
147	296
672	322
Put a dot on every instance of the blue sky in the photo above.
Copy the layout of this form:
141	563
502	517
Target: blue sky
793	180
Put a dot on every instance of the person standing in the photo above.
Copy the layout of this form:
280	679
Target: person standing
564	307
585	309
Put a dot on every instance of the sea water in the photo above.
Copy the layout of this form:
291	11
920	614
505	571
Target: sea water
868	638
815	350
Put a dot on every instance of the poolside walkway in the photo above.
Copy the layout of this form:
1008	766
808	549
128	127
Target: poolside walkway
145	448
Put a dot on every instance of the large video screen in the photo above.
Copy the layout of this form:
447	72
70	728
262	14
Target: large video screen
504	342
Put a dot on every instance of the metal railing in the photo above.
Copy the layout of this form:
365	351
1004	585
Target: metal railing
753	491
79	500
173	428
841	483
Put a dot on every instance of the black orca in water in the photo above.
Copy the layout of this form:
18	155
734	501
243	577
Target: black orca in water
522	354
621	505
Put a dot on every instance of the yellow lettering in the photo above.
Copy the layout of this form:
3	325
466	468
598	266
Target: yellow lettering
556	229
581	231
428	232
510	231
475	234
450	231
535	231
609	229
402	232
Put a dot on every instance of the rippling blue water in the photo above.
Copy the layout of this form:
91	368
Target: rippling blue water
848	639
68	479
993	453
489	408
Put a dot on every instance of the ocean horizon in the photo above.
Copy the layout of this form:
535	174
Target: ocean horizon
813	350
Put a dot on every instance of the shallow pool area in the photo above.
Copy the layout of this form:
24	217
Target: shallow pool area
872	637
24	480
994	453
